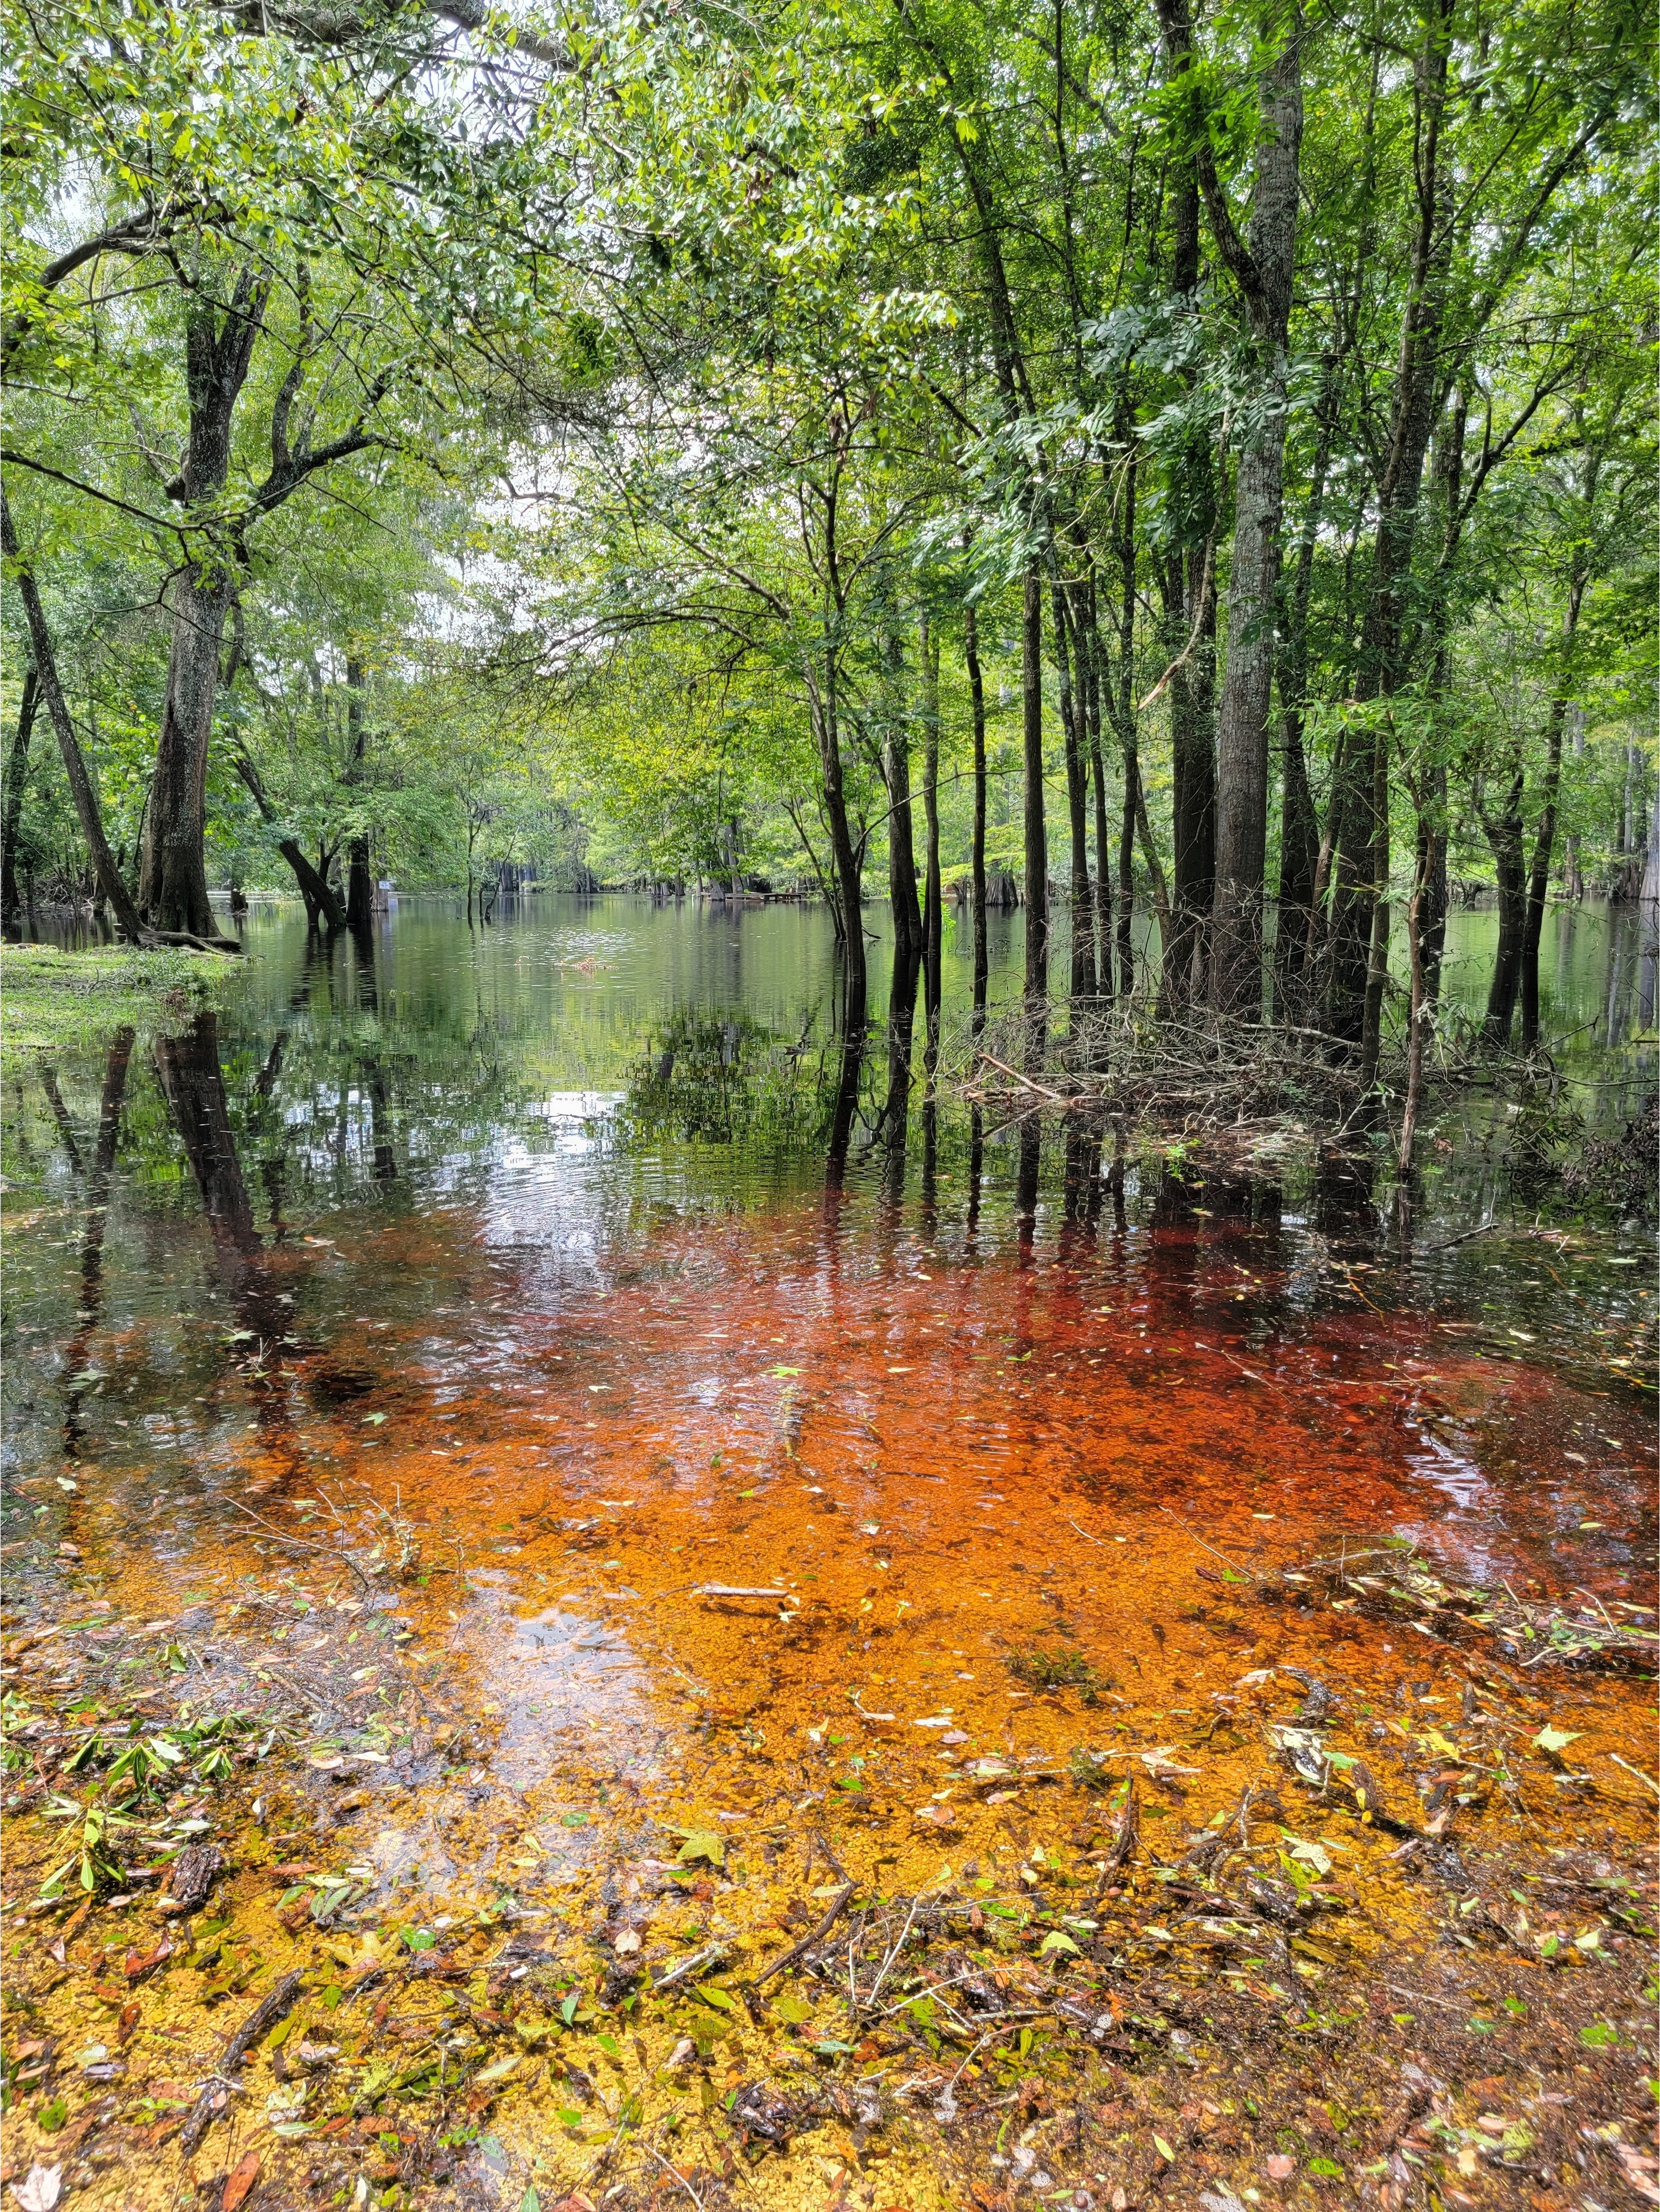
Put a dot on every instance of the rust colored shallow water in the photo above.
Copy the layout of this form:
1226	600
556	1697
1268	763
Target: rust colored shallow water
772	1539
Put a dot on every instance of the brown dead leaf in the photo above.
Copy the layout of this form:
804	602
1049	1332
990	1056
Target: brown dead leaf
239	2181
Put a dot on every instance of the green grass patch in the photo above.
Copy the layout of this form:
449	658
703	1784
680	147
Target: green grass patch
52	1001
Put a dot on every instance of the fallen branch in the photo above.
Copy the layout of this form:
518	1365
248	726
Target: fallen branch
301	1543
838	1907
698	1960
1003	1068
274	2006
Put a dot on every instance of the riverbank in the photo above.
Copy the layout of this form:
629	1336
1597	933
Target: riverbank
56	1001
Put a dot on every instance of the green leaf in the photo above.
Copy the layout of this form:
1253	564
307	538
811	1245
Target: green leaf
718	1998
702	1844
1163	2150
1555	1739
1600	2036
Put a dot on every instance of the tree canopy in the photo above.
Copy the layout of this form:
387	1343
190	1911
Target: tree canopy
1197	458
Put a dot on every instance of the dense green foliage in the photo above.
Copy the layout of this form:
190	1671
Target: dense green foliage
472	449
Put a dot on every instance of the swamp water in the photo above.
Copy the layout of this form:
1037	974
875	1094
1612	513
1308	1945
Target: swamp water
610	1604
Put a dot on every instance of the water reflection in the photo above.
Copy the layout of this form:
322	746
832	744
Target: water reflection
598	1188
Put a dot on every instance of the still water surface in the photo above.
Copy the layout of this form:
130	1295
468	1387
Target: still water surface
560	1186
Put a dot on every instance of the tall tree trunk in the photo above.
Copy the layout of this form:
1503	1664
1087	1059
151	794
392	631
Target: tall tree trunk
1120	691
82	789
1299	823
172	881
1037	835
1072	709
360	886
933	920
1504	834
1378	948
895	774
1242	731
1126	876
1091	667
1190	611
1419	1010
1362	833
827	723
977	848
1539	877
17	769
1189	634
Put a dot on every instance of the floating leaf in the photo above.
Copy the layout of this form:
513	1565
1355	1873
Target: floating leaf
39	2189
1554	1738
702	1844
239	2181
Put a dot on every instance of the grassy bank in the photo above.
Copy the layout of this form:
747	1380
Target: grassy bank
51	1001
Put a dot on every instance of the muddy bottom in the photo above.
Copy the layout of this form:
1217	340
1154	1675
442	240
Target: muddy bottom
836	1720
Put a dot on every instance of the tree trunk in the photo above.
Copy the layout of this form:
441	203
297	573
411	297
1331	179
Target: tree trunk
977	849
17	768
314	887
1378	949
172	881
1037	835
360	885
1503	833
1190	609
1072	706
827	723
82	789
1299	824
1127	878
895	774
1090	670
1361	832
1241	729
932	918
1539	878
1418	1006
1533	920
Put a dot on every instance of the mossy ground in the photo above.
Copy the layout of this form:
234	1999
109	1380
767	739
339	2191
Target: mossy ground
54	1001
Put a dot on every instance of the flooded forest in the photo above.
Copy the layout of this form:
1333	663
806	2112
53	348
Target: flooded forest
828	1099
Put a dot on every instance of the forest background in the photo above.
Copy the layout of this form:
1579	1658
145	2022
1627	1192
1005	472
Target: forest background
942	451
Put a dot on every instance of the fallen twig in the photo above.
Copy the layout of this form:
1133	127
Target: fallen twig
272	2007
300	1544
838	1907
